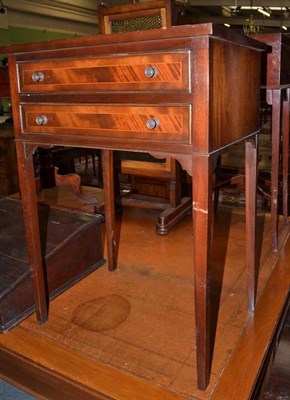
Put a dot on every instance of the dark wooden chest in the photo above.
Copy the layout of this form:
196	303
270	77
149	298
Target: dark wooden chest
71	248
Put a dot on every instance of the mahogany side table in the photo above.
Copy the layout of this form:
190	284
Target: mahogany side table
186	92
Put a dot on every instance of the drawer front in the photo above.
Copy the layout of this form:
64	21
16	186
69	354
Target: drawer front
155	123
127	73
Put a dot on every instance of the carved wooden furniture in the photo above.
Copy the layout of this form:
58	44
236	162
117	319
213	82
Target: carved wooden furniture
276	81
92	92
151	179
73	249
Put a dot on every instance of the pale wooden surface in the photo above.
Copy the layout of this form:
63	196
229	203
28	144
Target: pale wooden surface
129	334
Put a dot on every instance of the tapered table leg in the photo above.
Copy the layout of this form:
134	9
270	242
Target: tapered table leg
285	143
108	180
30	211
251	214
276	120
202	175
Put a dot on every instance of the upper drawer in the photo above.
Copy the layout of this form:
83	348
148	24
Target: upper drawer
154	123
165	71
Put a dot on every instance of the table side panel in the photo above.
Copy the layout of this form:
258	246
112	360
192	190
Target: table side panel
235	93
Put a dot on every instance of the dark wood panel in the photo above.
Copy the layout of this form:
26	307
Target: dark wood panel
234	96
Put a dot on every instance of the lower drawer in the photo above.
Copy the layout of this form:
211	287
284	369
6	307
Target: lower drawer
154	123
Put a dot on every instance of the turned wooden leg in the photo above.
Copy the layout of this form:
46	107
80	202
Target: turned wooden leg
285	167
276	120
108	180
30	214
202	175
251	216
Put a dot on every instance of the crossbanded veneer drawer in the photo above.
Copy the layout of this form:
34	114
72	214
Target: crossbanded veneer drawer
155	123
169	71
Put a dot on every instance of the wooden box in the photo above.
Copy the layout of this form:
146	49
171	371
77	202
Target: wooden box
72	248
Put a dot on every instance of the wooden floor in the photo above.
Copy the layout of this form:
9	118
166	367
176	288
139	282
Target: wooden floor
130	334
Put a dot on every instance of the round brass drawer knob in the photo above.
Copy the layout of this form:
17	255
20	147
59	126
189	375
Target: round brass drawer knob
151	72
152	123
37	76
41	120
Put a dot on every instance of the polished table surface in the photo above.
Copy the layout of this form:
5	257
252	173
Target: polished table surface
186	92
